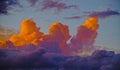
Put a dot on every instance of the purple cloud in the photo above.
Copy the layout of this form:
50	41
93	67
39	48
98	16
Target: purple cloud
36	57
32	2
5	5
42	60
73	17
103	14
48	4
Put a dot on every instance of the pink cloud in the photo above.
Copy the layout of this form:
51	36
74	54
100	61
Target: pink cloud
103	14
59	6
33	2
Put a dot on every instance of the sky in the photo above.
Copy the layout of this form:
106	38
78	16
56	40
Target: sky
60	34
70	12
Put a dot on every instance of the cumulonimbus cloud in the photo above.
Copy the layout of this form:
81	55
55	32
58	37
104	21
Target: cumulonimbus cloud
33	49
86	35
57	37
29	34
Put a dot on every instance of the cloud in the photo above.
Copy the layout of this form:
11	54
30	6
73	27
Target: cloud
52	51
72	17
86	35
105	61
5	5
59	6
57	37
103	14
33	2
5	33
39	59
60	33
29	34
98	14
55	41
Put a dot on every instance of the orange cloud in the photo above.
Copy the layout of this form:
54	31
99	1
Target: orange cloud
57	37
91	23
86	35
29	34
60	33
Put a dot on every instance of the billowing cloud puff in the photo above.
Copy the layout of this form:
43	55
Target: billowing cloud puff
29	34
59	33
86	35
36	50
91	23
53	42
57	37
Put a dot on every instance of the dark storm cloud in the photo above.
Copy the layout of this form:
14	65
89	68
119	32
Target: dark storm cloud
5	5
103	14
32	57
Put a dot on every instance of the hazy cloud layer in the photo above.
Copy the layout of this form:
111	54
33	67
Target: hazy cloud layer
27	58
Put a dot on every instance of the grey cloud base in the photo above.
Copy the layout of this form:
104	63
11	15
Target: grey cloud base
39	59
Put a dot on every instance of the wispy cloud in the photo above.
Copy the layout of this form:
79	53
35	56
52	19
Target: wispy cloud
103	14
73	17
59	6
32	2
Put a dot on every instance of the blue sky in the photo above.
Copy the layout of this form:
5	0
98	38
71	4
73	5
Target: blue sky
108	33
